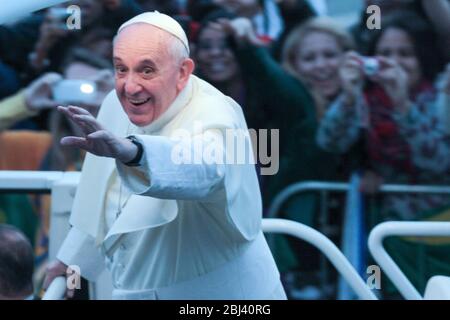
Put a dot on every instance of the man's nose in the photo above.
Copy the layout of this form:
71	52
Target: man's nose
132	86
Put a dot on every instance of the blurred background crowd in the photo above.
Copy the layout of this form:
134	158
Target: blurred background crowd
300	66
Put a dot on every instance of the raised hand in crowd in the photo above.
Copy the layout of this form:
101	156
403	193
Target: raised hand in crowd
394	80
38	95
389	75
352	77
241	29
52	30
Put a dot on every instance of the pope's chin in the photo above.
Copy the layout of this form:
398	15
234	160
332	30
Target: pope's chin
140	118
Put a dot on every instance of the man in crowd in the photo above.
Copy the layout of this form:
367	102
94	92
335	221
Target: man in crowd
16	265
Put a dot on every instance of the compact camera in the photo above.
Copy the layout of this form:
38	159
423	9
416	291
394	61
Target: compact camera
370	65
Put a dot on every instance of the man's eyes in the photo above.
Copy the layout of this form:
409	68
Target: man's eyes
148	71
120	69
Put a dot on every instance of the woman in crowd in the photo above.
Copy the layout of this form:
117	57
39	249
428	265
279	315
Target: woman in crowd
405	141
435	12
216	61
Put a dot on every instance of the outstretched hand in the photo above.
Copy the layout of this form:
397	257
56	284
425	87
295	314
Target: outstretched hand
96	139
241	29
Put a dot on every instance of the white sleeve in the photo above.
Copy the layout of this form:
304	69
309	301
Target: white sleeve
79	249
172	169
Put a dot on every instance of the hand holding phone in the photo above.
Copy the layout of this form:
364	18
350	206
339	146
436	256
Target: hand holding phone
75	92
38	94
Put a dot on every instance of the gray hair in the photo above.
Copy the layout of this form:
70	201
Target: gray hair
177	49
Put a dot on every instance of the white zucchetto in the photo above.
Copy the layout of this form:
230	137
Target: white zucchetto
162	21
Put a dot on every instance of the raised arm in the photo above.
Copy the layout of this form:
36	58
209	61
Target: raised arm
191	167
284	95
29	102
426	128
339	127
171	169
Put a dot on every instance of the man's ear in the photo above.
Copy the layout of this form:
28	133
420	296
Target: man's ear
186	69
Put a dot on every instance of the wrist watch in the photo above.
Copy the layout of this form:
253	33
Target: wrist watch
135	161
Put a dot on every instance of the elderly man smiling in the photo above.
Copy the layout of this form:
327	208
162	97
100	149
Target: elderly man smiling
165	230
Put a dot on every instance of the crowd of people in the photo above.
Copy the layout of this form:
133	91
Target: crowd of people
289	69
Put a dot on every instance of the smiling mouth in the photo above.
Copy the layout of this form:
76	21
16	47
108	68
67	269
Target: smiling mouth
138	102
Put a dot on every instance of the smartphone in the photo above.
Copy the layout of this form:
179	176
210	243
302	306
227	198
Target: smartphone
74	92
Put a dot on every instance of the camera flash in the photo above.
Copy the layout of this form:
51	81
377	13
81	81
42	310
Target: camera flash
371	66
87	88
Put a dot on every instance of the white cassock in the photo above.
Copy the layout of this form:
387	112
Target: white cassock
168	230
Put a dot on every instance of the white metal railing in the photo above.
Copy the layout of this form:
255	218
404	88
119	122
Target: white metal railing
56	290
63	184
300	187
387	229
326	246
29	180
323	189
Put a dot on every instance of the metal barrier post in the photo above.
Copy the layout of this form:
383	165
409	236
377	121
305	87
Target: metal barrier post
56	290
322	226
386	229
327	247
63	185
63	193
